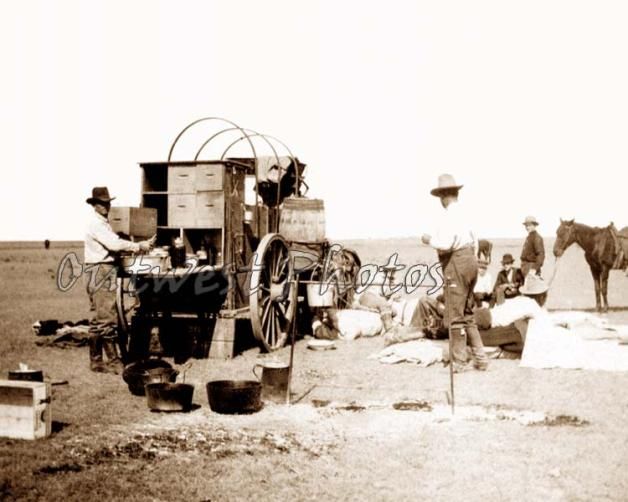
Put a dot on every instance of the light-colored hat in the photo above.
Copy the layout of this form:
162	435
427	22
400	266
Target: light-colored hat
446	182
533	285
99	194
530	219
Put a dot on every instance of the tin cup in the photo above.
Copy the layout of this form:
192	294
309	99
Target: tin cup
274	380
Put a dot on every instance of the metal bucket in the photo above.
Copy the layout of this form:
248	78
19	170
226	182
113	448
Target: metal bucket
274	380
320	294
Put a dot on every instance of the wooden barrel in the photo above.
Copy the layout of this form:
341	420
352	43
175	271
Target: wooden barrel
302	220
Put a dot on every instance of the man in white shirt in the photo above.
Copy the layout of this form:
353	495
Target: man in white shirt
455	243
483	290
101	244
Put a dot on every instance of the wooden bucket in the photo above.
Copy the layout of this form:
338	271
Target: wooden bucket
302	220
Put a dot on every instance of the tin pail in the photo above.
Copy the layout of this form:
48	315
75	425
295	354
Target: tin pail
274	379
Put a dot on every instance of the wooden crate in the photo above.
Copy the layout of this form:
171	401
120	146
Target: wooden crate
210	209
181	179
181	210
25	411
209	177
134	221
223	339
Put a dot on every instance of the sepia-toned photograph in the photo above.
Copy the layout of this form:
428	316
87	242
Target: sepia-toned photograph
275	250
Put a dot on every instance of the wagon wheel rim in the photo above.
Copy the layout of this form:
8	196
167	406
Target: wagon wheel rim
272	293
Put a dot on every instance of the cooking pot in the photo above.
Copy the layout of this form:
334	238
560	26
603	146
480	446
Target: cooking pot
234	396
164	396
138	374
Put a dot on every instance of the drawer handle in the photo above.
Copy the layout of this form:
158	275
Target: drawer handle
181	206
183	175
209	174
209	205
117	219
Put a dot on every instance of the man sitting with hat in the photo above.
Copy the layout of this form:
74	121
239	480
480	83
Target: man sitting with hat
504	325
101	244
509	280
483	291
533	252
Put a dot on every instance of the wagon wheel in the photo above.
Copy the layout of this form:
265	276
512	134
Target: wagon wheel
273	296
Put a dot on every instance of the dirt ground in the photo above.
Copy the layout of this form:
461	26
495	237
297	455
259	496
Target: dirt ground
518	434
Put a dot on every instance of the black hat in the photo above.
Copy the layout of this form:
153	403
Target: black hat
99	195
507	259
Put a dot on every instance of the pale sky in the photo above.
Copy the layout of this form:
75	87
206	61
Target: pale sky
525	103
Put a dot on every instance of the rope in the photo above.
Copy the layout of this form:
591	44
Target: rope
556	262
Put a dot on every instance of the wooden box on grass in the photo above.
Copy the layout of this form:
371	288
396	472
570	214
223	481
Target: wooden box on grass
25	411
134	221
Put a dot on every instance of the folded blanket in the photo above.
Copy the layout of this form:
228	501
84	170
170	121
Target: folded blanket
421	352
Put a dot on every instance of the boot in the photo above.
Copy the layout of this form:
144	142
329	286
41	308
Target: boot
480	360
114	364
96	363
459	356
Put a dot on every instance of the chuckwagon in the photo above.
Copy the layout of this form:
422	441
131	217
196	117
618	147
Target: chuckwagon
237	244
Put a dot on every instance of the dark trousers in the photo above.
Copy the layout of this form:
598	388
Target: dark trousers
460	269
428	317
527	265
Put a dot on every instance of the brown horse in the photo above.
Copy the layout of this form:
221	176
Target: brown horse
600	247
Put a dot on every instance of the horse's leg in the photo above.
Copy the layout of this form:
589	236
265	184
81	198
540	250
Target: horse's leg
604	287
595	272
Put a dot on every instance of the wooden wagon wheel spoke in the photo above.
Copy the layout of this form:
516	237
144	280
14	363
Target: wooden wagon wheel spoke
282	267
273	306
266	311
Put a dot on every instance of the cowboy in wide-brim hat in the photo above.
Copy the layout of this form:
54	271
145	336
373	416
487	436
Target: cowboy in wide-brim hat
530	220
446	184
100	195
454	242
533	285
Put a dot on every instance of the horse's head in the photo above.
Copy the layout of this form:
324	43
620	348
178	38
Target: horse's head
565	237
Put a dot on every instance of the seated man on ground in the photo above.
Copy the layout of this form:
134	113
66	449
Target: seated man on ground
377	297
427	320
509	280
483	290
